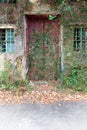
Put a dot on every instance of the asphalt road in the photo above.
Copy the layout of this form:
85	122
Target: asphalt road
59	116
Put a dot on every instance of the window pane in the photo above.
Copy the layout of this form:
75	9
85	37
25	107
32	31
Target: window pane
10	40
2	41
76	39
80	38
8	1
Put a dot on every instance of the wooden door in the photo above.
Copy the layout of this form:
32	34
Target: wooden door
42	36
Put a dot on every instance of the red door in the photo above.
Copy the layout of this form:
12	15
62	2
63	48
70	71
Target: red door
42	36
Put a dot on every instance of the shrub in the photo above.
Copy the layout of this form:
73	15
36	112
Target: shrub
76	78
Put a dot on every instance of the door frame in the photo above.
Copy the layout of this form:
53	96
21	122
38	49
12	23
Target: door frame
61	55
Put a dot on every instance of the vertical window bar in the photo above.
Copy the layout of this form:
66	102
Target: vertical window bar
13	40
10	41
86	38
3	38
81	38
6	39
76	39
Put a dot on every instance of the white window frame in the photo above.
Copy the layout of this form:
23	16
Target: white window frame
6	27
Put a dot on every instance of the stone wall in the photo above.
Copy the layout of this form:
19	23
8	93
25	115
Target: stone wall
18	57
72	57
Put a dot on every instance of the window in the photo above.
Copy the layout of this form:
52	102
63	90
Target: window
80	38
8	1
76	0
6	40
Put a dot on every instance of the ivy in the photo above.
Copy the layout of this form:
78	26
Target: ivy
51	17
68	8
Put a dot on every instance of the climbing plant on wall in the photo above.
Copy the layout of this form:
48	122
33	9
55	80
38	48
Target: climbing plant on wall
43	56
73	16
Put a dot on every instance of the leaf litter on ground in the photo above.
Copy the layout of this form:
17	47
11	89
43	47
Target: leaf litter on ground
43	92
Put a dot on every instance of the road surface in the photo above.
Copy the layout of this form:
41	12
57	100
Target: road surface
59	116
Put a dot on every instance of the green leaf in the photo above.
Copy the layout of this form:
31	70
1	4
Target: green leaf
68	8
51	17
63	3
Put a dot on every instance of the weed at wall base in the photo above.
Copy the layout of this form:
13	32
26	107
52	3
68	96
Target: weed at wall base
76	79
8	82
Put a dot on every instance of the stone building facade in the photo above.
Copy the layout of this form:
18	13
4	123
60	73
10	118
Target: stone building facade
16	17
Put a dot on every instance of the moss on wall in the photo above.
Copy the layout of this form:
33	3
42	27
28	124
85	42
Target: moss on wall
75	62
